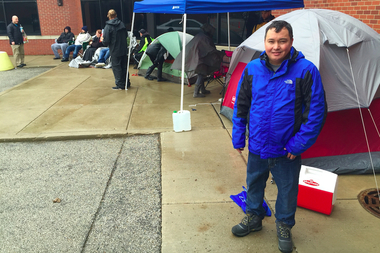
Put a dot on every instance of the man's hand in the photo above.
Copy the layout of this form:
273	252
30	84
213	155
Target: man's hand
13	42
240	150
290	156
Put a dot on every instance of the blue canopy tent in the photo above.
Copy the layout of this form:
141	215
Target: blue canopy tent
207	6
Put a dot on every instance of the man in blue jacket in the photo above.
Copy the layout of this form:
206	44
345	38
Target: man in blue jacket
281	98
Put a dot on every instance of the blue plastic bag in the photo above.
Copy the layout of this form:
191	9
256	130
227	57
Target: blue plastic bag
240	199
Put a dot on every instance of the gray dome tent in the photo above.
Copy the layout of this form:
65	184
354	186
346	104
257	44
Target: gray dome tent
347	53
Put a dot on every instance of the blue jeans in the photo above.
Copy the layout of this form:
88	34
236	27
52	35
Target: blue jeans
103	55
285	173
70	48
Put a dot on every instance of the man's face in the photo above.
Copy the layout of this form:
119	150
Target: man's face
66	30
278	45
14	20
98	34
265	14
83	31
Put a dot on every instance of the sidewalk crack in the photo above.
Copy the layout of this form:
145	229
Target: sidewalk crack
51	106
103	197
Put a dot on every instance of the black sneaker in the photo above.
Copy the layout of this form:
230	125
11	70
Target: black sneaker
20	66
250	223
149	78
285	243
64	59
117	88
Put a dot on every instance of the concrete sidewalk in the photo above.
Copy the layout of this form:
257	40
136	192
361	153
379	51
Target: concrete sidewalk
200	169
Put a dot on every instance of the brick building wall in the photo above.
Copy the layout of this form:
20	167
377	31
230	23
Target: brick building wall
366	11
54	18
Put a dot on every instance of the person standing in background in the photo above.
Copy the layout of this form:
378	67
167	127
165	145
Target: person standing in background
266	16
115	37
14	31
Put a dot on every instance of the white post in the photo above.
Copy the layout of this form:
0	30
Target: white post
183	58
228	25
129	49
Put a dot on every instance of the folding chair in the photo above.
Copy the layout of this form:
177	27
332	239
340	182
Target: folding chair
85	45
219	75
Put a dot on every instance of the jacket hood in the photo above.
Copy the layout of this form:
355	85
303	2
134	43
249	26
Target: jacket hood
114	22
68	28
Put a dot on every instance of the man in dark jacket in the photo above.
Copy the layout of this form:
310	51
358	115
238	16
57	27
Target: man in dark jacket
115	37
280	97
201	58
15	30
62	42
157	54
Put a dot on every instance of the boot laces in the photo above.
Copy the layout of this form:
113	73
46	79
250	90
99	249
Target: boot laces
246	220
284	231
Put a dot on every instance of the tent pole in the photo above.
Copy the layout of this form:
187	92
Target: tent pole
129	49
228	25
361	116
183	59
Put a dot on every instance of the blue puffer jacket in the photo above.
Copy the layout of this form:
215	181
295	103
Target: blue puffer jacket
287	109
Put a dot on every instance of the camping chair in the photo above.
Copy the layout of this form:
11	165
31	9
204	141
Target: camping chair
85	45
219	75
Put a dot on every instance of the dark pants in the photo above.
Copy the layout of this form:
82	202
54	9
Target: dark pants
119	68
200	79
285	173
137	57
89	53
157	63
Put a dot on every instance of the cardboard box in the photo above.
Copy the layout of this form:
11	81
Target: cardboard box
317	189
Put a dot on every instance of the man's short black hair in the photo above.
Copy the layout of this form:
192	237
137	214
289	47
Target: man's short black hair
279	25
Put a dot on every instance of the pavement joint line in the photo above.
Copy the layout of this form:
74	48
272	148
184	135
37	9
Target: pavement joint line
131	111
103	197
52	105
194	105
221	121
197	203
14	87
68	137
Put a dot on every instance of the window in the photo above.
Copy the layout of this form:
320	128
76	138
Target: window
25	10
94	12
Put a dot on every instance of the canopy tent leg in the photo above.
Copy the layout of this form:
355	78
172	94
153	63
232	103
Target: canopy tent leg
183	59
361	116
129	48
228	28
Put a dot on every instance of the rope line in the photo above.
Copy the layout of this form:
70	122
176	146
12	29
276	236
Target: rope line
374	123
364	129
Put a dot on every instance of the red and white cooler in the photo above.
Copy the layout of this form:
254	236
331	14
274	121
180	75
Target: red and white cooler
317	189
